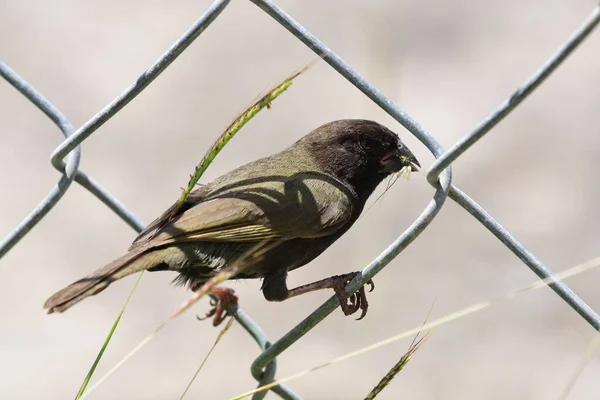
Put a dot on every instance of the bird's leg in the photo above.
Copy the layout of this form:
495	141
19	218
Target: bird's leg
225	297
349	303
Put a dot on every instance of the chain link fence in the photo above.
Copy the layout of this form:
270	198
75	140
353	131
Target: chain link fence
67	156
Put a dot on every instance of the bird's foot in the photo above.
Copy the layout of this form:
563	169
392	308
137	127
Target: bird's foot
225	297
357	300
349	303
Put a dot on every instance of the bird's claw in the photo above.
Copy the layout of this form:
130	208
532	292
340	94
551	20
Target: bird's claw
223	298
357	300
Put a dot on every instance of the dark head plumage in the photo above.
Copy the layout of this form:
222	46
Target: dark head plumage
359	152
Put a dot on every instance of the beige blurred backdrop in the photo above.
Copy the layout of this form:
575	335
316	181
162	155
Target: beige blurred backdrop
448	64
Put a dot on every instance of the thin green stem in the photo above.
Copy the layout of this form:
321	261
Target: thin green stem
229	133
107	340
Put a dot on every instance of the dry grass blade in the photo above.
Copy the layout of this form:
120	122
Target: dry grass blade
223	331
589	352
412	349
118	365
578	269
391	181
387	379
403	173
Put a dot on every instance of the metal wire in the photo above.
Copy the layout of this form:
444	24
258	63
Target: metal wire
439	175
72	163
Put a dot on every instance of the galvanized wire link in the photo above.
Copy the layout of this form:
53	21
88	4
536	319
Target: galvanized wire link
74	139
526	256
468	140
267	375
517	97
69	170
141	83
439	174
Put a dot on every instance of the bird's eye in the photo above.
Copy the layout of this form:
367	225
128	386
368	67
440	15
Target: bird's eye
364	143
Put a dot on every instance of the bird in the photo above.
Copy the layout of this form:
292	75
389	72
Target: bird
292	205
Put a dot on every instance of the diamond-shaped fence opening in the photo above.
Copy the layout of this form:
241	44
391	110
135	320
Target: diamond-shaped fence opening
66	159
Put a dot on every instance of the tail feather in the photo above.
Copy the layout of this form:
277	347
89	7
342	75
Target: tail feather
96	282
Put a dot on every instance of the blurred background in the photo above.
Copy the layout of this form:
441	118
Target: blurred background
448	64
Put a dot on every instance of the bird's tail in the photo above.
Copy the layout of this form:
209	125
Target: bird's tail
128	264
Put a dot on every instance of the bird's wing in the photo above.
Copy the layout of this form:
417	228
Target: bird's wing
152	228
298	208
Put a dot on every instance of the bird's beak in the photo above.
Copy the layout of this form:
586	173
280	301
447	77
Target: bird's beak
410	160
401	158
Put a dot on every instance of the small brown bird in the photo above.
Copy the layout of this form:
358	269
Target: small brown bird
295	204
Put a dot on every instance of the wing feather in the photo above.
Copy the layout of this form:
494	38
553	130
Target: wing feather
300	208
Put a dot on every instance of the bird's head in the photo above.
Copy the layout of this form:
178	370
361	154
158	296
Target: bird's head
359	152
